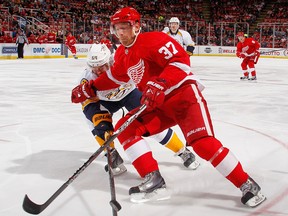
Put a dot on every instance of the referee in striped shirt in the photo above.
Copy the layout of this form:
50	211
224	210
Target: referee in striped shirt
20	41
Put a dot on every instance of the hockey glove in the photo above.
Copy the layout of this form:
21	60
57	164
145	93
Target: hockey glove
190	50
240	55
82	92
153	95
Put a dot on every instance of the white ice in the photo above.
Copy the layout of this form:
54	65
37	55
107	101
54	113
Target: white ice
44	140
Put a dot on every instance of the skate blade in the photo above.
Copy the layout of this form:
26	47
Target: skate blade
256	200
194	165
156	195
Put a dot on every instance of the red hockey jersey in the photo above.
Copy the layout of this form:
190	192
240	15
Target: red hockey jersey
70	40
153	54
249	46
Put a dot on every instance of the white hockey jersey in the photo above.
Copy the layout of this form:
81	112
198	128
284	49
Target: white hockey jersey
183	37
115	94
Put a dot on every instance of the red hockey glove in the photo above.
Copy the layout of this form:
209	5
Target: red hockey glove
153	96
241	55
82	92
190	50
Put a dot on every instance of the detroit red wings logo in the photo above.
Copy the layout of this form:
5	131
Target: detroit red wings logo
244	49
136	72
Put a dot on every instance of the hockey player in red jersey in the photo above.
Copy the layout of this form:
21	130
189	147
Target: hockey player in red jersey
160	67
99	110
70	42
248	50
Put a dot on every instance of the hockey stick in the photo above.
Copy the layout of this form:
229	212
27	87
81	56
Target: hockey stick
33	208
114	204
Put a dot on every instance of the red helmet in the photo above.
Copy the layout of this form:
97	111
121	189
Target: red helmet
126	14
240	34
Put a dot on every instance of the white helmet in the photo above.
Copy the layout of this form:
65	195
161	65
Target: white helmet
98	55
174	20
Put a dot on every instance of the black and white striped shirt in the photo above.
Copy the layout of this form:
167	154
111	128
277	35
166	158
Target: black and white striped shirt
21	39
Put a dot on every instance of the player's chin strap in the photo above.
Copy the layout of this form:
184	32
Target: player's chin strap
34	208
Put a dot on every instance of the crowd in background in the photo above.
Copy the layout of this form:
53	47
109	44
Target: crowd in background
89	20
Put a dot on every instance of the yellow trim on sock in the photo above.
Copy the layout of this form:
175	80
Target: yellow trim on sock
174	144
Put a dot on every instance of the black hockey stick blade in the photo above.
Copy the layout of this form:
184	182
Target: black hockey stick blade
31	207
115	205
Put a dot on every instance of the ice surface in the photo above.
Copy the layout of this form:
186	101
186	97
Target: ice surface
44	139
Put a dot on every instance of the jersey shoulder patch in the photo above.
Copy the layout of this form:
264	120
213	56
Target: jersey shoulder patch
83	81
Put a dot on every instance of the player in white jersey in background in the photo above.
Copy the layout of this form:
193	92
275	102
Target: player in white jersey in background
99	110
183	37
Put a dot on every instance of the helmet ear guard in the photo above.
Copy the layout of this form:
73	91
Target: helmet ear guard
98	55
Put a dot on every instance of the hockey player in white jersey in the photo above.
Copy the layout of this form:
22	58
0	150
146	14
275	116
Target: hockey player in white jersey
183	37
99	110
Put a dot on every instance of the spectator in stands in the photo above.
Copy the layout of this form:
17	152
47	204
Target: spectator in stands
90	41
105	40
32	38
1	34
1	29
92	17
20	41
84	37
51	37
96	40
42	38
7	38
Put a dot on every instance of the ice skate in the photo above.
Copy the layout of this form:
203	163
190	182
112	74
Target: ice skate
153	188
251	195
118	166
252	78
188	158
244	78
